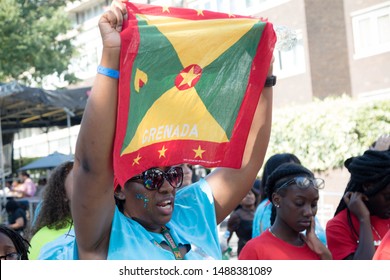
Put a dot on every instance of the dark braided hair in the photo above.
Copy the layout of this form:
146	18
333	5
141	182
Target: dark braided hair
373	167
22	245
272	163
279	176
55	212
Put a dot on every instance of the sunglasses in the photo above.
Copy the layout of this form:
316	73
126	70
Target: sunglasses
304	183
153	178
11	257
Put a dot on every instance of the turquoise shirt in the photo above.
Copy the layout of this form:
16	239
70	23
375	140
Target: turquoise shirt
43	236
193	222
63	248
262	218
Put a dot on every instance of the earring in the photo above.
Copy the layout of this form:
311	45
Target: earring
277	205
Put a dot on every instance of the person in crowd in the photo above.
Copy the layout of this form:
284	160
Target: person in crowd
27	188
262	218
240	221
16	188
8	186
187	174
362	217
383	250
54	218
17	219
293	190
382	143
12	245
42	182
257	189
156	222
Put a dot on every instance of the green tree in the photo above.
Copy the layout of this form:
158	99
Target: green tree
33	41
324	133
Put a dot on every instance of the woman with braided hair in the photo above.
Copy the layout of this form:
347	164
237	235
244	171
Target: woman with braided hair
293	191
54	219
362	218
12	245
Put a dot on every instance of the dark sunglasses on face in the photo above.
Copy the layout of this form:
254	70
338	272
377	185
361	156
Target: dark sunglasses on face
304	183
153	178
14	256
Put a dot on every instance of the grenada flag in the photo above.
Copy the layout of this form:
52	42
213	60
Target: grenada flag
190	82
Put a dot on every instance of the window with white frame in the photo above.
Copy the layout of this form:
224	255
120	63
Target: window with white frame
371	30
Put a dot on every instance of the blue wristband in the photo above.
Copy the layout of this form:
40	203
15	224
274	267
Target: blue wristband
108	72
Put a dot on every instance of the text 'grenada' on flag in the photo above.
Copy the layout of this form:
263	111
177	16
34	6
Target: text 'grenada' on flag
189	86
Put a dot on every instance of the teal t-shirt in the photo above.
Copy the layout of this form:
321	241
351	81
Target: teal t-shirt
63	248
193	223
43	236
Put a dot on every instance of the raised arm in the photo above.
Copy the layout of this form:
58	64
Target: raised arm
231	185
92	201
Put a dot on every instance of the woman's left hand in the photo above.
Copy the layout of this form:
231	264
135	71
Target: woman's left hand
314	243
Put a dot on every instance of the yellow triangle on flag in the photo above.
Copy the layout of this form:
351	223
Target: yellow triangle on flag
177	115
182	33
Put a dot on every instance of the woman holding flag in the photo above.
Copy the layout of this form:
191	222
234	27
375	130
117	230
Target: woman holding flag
151	220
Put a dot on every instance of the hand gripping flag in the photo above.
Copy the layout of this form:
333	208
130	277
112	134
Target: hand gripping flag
190	82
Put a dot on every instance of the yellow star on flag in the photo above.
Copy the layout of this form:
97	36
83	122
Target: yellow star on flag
198	152
162	152
166	9
199	13
136	160
188	77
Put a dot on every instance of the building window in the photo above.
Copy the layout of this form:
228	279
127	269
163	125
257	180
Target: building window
371	30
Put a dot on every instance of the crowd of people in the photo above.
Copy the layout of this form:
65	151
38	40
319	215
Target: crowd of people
287	230
163	213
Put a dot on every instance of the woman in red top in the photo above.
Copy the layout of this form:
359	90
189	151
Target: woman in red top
293	191
383	251
362	218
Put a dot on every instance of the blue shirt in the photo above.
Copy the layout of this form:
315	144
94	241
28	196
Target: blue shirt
193	222
62	248
262	218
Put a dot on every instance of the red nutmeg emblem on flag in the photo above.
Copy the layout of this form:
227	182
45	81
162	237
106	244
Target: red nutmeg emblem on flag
188	77
221	70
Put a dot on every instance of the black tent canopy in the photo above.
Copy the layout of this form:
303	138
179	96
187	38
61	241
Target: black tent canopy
26	107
